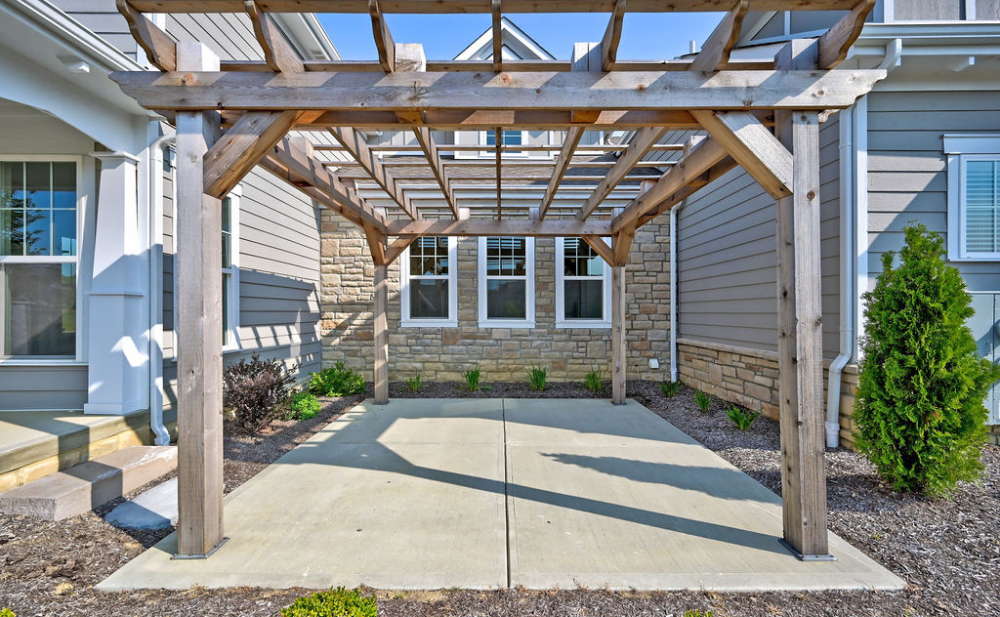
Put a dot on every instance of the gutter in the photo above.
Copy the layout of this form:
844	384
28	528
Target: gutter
853	241
161	436
674	373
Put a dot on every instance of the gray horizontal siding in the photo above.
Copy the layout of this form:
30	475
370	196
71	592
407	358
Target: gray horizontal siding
726	257
907	174
229	35
103	19
43	387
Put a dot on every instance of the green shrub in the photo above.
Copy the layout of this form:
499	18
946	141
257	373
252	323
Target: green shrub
697	613
471	377
336	381
337	602
703	400
670	388
6	612
919	411
536	377
413	383
594	381
742	418
303	406
254	389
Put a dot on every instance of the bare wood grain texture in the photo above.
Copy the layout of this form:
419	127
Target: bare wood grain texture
497	32
242	146
278	52
754	148
159	47
836	42
601	248
383	38
570	142
380	302
509	227
612	37
715	52
641	143
354	142
618	342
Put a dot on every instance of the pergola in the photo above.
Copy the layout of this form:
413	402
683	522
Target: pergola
232	116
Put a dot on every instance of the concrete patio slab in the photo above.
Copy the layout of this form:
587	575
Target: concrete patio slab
426	494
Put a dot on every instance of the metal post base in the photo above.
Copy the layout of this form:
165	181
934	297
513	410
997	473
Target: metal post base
205	556
802	557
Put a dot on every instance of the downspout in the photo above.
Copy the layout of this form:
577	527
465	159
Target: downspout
161	436
674	373
853	240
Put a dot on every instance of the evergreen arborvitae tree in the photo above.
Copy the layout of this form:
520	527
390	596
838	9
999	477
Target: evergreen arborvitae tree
920	413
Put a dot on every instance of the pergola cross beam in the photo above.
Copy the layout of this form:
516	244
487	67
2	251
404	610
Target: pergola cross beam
355	143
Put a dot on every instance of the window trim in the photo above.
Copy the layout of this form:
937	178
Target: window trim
81	216
528	277
959	150
561	320
491	153
404	291
233	318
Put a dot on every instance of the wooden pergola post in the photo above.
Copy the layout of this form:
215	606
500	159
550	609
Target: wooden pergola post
800	320
199	327
380	301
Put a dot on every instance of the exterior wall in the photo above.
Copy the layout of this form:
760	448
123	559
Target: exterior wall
727	265
102	18
278	274
503	354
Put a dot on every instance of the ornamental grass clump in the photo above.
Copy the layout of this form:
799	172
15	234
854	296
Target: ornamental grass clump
536	377
413	383
703	400
337	602
919	411
594	381
742	418
254	389
471	377
670	388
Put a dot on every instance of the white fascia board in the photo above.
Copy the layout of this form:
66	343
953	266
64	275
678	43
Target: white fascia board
307	35
940	33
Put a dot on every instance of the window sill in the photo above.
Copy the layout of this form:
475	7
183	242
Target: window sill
501	323
25	361
975	258
428	323
583	324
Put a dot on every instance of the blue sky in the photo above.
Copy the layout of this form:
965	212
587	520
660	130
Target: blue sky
645	36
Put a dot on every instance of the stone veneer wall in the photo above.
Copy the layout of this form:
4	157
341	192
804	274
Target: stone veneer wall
749	377
503	354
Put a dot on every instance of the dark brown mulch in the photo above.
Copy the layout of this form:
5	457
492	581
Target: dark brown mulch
948	551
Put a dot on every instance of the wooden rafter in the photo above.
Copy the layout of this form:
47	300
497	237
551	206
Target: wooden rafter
497	142
612	36
279	54
480	66
638	148
753	146
383	38
570	142
837	41
159	47
354	142
715	52
573	91
508	227
433	156
497	32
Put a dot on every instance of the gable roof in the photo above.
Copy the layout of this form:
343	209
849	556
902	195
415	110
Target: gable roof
516	42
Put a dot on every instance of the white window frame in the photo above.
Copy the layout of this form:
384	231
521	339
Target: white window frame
489	152
81	215
960	149
233	309
451	321
561	278
528	277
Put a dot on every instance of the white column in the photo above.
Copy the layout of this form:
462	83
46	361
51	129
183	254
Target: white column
117	352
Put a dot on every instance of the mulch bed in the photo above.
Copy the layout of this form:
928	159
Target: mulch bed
948	551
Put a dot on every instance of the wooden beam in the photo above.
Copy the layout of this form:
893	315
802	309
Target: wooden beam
725	90
356	145
477	6
199	330
159	47
618	342
800	329
510	227
243	146
570	142
497	32
689	169
497	142
753	146
638	147
426	141
376	243
601	248
480	66
380	301
279	54
715	52
297	166
383	38
836	42
396	248
612	36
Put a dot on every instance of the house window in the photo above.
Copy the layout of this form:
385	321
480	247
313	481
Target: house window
507	282
429	290
510	138
38	262
583	289
973	197
230	271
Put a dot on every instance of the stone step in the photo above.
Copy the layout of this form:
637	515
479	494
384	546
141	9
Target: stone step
91	484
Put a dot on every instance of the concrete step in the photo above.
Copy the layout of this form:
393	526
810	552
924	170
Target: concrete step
91	484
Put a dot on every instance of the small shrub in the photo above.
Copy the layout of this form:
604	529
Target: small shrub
920	414
670	388
742	418
703	400
6	612
337	602
303	406
413	383
336	381
471	377
594	381
536	377
254	389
